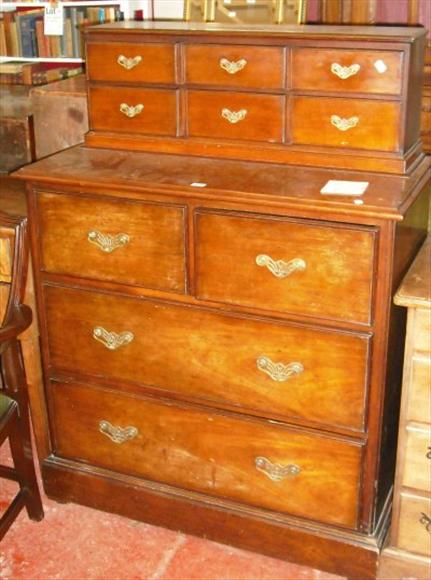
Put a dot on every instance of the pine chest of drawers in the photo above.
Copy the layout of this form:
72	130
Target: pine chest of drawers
220	351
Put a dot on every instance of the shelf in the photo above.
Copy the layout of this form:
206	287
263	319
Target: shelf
12	5
64	59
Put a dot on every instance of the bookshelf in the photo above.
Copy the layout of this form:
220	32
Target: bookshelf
22	37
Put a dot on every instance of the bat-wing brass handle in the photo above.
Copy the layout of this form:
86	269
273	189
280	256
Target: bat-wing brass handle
107	242
231	66
276	471
345	72
344	124
112	340
280	268
279	372
117	434
128	63
130	110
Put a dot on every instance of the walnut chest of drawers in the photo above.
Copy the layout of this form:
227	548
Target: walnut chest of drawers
409	552
220	348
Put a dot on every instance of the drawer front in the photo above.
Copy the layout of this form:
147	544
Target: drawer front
268	369
235	66
257	463
422	334
417	459
419	400
287	266
241	116
365	71
357	123
132	110
130	62
127	242
414	533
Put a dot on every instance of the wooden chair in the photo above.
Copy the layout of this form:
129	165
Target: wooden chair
14	411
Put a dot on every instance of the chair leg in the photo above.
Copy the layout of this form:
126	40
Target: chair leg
20	438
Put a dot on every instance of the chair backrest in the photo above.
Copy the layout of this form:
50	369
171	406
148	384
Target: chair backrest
13	263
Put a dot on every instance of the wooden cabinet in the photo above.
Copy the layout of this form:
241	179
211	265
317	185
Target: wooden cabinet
322	96
219	341
410	540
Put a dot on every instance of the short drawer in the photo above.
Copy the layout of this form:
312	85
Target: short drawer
417	458
272	370
419	397
133	110
284	265
235	66
357	123
268	466
117	240
243	116
365	71
414	532
129	62
422	330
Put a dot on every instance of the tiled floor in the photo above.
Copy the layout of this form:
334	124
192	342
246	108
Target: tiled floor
74	543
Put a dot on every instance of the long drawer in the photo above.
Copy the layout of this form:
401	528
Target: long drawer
281	469
123	241
282	265
270	369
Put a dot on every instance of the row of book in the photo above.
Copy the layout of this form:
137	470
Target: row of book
22	31
35	73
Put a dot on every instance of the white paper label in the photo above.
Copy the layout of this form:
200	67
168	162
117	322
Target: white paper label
198	184
335	187
53	21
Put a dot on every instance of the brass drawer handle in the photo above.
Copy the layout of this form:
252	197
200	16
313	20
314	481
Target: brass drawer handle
112	340
344	72
278	371
275	471
425	521
117	434
106	242
234	116
280	268
128	63
344	124
231	66
131	111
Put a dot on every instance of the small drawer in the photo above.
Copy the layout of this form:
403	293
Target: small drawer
417	458
128	242
286	265
235	66
271	370
135	63
422	333
419	398
133	110
243	116
347	71
357	123
272	467
414	532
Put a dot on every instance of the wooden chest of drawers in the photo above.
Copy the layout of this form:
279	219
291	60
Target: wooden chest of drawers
409	548
344	97
223	359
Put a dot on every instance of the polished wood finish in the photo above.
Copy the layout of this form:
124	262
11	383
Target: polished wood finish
272	87
158	115
14	413
152	257
338	260
196	356
166	449
157	63
223	352
411	525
